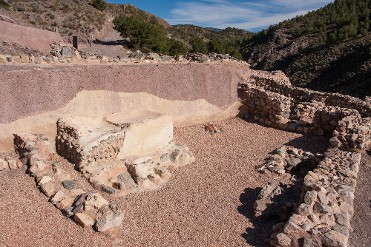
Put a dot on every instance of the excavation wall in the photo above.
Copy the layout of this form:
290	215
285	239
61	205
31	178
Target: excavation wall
34	90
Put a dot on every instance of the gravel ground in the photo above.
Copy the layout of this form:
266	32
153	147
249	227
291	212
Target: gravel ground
28	219
207	203
361	221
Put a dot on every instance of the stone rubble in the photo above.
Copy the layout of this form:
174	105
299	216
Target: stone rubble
287	159
9	161
88	209
62	54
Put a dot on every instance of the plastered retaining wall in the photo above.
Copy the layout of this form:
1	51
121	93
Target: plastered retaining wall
326	205
30	91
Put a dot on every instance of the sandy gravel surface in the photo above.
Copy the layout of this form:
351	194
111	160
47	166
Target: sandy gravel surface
28	219
209	203
361	221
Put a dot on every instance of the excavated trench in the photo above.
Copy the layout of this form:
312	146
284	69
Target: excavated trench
37	97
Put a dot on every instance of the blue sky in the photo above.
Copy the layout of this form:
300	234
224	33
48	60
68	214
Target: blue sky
252	15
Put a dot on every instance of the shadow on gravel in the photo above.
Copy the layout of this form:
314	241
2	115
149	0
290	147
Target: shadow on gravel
313	144
284	201
278	211
258	235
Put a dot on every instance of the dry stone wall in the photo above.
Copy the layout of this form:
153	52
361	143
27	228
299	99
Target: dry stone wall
323	213
279	83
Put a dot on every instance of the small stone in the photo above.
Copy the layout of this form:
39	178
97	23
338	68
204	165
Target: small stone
20	164
323	198
343	219
310	242
283	240
67	211
345	207
291	228
12	164
37	166
305	209
80	199
44	180
342	229
75	192
334	238
165	157
94	202
310	197
69	184
49	189
293	162
65	203
77	209
61	174
335	142
108	217
3	165
322	209
108	189
58	197
84	220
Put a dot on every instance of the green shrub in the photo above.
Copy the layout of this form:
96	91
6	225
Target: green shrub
198	45
4	4
99	4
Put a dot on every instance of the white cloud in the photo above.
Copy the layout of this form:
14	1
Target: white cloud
242	14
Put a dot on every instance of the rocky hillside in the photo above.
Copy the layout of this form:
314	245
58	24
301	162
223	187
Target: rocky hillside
328	49
86	17
68	17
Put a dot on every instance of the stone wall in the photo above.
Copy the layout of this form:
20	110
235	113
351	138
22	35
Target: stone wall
322	215
266	107
279	84
310	111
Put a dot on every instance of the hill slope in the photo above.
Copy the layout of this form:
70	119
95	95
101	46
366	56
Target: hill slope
68	17
328	49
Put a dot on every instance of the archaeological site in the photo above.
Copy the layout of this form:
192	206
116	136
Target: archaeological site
144	149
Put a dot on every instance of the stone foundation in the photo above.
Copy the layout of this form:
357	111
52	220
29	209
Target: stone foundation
124	152
325	208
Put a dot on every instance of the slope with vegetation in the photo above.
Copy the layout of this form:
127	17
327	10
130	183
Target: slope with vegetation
144	30
68	17
148	34
328	49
